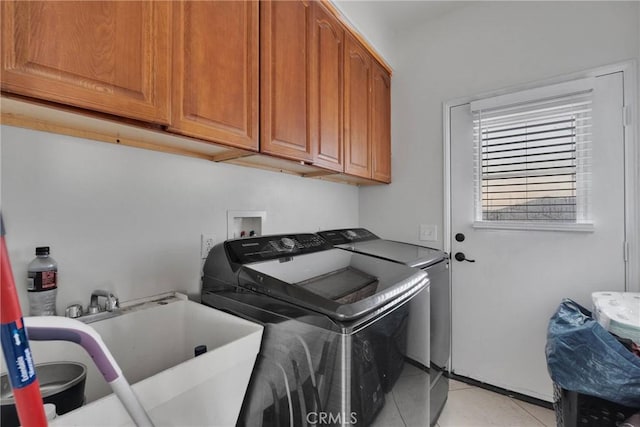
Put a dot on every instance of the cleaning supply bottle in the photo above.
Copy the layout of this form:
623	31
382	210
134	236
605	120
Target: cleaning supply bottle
42	284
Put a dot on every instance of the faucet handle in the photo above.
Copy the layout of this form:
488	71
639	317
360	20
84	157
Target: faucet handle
112	303
73	311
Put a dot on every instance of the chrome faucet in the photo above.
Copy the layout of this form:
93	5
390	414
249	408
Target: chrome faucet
95	311
111	303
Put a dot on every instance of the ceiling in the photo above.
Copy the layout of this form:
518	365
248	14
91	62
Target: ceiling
402	14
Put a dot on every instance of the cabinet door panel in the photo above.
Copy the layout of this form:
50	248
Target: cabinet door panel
327	59
285	65
381	124
357	149
107	56
215	71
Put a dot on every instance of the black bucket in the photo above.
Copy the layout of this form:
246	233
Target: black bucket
61	383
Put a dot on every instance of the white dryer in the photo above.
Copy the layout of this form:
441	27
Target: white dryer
429	328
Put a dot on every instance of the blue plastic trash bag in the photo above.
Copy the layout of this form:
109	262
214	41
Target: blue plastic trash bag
584	357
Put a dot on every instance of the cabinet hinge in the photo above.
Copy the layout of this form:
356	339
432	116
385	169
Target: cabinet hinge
626	115
625	251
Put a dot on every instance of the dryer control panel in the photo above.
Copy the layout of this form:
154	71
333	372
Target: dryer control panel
244	251
347	235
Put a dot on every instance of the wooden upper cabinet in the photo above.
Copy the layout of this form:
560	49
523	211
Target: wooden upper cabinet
327	69
215	71
285	30
107	56
283	77
381	124
357	106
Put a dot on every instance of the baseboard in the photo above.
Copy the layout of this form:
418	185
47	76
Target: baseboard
503	391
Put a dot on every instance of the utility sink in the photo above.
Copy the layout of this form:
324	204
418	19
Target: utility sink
153	341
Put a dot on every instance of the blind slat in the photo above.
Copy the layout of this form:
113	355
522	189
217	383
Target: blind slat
527	141
528	184
518	156
486	138
527	191
518	176
549	123
529	170
508	150
490	163
523	200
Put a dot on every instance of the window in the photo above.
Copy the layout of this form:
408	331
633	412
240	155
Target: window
533	157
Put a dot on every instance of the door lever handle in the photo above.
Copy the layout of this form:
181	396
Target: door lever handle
459	256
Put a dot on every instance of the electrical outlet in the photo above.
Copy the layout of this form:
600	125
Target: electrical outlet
206	244
428	232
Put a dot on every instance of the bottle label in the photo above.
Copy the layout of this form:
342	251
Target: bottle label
17	354
42	281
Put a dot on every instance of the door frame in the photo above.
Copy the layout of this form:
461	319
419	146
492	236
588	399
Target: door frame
631	152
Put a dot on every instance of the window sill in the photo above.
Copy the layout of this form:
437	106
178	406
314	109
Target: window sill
528	226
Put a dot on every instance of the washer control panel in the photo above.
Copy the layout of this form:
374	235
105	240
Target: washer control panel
244	251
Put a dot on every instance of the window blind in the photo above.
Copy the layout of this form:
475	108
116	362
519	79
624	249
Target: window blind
533	161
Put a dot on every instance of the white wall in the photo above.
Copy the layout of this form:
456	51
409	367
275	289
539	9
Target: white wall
129	220
482	47
371	25
637	130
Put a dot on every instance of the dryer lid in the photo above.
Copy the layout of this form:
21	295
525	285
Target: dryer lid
405	253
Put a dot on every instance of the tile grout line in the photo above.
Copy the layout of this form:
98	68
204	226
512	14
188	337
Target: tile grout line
461	385
393	395
461	388
525	409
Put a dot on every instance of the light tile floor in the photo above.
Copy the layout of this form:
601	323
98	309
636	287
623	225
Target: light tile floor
467	406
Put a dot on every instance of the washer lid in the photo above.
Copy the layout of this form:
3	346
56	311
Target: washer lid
340	284
405	253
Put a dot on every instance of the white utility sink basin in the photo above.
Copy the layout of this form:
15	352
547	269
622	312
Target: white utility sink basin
153	342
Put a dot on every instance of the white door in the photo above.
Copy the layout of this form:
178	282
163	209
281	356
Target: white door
501	303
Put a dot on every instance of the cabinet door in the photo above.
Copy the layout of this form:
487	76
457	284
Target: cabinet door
284	86
357	102
215	71
381	124
327	59
108	56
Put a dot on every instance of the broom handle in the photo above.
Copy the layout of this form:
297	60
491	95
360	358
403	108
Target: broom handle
15	347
